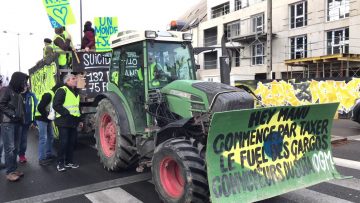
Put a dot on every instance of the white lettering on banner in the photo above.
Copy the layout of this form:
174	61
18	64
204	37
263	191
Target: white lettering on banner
91	59
322	161
96	81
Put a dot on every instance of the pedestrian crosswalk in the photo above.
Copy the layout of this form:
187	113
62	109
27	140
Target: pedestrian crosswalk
113	195
350	185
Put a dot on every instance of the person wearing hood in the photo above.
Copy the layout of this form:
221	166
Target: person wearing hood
46	135
66	105
12	110
88	40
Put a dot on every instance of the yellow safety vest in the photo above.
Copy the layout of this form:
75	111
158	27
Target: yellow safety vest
62	56
71	102
154	82
37	113
32	108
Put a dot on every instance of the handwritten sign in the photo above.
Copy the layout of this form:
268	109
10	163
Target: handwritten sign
260	153
59	12
104	28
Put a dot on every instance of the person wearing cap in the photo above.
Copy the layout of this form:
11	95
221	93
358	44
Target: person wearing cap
88	41
47	50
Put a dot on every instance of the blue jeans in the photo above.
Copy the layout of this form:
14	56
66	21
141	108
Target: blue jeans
46	138
10	133
23	139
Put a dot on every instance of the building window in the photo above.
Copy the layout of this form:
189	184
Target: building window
338	41
210	60
257	54
298	47
257	23
233	29
220	10
210	37
338	9
237	5
236	59
246	3
298	14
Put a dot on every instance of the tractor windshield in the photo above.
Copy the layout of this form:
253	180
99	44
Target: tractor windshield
169	61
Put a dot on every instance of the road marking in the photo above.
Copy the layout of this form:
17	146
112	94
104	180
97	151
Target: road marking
352	183
86	189
115	195
347	163
306	195
356	137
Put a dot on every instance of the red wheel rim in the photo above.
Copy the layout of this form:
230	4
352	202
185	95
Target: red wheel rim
107	135
171	177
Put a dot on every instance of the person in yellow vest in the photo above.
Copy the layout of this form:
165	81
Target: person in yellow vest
155	69
66	105
46	135
60	45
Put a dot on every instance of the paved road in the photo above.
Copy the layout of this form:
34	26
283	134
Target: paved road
91	183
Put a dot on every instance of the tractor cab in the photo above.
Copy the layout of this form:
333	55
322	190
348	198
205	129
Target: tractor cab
151	59
143	62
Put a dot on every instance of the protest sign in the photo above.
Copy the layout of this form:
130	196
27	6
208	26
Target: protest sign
59	12
104	28
260	153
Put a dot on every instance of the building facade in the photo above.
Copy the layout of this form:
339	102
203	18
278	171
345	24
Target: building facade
310	38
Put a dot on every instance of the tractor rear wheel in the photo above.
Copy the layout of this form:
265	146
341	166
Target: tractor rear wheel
179	173
110	143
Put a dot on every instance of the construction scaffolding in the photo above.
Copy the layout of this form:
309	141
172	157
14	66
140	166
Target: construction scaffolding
327	66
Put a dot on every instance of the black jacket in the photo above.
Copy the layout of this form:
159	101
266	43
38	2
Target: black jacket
43	103
12	105
66	119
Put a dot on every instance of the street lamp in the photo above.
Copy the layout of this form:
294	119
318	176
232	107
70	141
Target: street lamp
18	39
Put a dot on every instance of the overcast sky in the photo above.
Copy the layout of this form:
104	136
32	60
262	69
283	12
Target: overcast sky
25	16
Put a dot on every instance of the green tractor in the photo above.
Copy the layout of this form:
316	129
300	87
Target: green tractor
156	114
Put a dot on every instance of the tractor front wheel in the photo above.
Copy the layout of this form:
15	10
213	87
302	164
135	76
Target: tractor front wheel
112	146
179	173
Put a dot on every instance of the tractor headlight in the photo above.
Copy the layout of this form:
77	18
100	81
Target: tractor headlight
187	36
150	34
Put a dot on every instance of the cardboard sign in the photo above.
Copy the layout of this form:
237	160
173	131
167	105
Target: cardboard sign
104	28
260	153
59	12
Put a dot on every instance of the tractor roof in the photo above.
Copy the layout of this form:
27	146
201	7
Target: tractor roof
131	36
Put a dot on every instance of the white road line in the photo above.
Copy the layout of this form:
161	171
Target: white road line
352	183
347	163
115	195
356	137
85	189
306	195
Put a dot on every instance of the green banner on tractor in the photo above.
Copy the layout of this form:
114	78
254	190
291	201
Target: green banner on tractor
260	153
